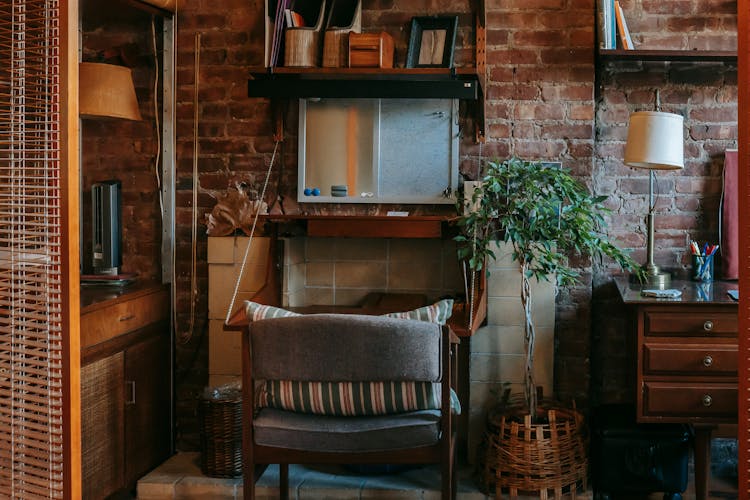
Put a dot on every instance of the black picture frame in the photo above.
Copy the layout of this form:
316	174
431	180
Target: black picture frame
432	42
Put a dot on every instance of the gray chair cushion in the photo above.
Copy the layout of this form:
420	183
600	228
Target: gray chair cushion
296	431
345	347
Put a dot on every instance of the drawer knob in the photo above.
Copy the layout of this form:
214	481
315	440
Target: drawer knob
708	325
708	360
707	400
127	317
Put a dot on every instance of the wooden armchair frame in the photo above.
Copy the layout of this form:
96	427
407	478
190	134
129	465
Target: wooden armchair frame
256	457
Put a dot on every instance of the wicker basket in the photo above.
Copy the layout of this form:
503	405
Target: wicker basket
545	458
221	436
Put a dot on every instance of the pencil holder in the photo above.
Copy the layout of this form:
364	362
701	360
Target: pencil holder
703	268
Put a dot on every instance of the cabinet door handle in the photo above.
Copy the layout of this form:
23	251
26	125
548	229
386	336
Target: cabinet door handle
708	360
707	400
708	325
127	317
131	389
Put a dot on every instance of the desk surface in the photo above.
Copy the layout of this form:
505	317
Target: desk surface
693	292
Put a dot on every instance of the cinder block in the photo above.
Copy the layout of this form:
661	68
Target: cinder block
224	347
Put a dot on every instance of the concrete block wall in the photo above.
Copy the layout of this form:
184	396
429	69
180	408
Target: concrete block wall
342	271
225	255
497	349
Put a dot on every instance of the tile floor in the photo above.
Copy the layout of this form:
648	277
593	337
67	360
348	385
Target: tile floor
180	478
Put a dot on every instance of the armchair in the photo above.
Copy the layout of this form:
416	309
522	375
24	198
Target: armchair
330	351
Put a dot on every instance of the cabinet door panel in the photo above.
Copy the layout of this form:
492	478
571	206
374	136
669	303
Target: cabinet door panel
147	404
102	423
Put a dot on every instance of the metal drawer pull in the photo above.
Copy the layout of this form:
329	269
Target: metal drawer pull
128	317
707	400
708	361
131	388
708	325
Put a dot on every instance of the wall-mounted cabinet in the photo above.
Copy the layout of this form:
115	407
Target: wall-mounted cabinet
378	150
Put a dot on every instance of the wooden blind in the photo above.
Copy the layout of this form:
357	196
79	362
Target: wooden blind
34	383
743	115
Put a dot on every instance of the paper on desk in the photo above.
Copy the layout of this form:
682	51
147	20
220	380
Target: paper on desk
662	294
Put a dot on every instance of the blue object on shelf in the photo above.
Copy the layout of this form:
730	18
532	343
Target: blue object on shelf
307	191
316	192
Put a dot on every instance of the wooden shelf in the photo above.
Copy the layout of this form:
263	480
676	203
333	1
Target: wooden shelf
434	83
668	55
378	226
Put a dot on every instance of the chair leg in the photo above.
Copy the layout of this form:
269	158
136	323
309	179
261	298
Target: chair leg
284	481
447	480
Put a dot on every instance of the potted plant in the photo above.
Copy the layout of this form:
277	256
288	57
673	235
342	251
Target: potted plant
546	215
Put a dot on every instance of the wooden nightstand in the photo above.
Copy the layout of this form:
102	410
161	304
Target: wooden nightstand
687	361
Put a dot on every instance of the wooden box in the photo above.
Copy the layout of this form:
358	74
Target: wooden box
370	50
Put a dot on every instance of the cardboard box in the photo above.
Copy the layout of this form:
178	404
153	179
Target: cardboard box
370	50
224	347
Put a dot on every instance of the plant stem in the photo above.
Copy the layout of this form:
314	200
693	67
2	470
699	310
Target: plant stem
529	339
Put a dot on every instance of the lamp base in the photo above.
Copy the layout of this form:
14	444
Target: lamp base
660	281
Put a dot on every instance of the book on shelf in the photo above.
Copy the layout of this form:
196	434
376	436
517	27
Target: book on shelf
607	26
293	19
622	26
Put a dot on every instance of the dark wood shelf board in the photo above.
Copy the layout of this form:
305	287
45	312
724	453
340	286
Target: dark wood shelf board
667	55
352	226
435	83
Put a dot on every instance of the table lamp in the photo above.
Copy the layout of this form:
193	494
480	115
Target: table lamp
655	142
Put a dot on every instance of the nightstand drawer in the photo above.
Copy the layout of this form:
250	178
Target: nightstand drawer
690	359
691	323
126	316
674	399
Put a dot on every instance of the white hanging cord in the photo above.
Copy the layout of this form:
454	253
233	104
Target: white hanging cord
252	233
194	228
157	123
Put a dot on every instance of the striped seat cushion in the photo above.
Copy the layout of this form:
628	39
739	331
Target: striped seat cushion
353	399
439	312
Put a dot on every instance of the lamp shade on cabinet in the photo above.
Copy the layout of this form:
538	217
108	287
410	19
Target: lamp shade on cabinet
655	141
107	90
170	5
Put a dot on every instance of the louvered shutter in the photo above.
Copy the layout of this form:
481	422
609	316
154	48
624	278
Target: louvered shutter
39	362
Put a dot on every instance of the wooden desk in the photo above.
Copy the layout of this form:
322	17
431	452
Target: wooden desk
687	361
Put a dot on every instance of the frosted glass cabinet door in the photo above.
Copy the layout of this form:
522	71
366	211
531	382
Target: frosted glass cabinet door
378	150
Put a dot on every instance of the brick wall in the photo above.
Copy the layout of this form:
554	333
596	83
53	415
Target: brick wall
125	150
540	104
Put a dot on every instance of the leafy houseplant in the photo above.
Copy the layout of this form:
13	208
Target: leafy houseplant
546	215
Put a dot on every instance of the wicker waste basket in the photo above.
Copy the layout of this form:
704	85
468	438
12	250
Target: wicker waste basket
220	415
547	457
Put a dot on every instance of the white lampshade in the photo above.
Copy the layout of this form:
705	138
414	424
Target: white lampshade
655	141
107	90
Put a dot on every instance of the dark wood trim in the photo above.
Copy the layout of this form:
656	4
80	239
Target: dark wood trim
667	55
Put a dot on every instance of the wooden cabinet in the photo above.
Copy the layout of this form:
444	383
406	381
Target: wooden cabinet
686	355
125	386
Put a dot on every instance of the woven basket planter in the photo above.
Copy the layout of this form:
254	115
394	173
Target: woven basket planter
546	458
221	436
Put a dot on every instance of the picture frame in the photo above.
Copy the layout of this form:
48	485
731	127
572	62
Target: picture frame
432	41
